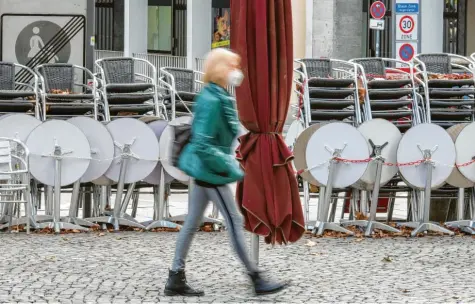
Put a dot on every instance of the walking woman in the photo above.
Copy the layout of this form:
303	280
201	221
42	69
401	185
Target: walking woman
208	159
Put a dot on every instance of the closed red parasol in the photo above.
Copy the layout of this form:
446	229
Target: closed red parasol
269	195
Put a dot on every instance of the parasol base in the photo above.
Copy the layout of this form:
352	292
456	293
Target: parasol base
426	227
320	228
124	216
205	219
116	222
370	226
78	221
466	226
160	224
58	226
19	222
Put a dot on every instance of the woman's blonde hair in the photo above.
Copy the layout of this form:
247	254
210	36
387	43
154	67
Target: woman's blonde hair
216	65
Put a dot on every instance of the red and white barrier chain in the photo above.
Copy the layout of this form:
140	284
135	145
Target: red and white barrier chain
367	160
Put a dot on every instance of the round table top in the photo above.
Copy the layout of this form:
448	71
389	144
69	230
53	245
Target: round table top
426	137
143	145
337	136
73	144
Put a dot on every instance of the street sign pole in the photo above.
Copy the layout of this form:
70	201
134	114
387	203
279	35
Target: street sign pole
378	43
378	11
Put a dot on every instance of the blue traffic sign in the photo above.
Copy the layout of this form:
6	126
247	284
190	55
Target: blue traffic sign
378	10
405	8
406	52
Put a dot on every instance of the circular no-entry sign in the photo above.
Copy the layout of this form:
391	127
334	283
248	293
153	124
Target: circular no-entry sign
406	52
377	10
406	24
40	42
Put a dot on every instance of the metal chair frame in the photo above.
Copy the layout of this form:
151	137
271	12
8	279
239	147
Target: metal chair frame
417	111
351	72
421	68
170	86
101	76
34	86
42	89
17	187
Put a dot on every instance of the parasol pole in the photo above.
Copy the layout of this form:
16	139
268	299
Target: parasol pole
255	248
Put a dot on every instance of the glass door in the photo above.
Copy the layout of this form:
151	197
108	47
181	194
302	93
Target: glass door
160	22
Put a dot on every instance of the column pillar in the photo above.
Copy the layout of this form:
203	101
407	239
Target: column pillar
199	27
135	26
432	26
337	29
308	28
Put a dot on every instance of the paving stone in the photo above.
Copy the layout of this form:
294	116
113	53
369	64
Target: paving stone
134	268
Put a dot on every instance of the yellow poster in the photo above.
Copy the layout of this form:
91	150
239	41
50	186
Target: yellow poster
221	28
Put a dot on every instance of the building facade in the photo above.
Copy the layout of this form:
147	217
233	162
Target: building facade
322	28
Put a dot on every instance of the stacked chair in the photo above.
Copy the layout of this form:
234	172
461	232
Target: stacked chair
179	88
124	91
62	95
449	101
391	99
17	96
329	91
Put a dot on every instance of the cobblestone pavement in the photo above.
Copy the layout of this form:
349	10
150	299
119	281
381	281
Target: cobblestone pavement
131	267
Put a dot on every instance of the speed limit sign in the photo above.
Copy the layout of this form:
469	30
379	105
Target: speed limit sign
406	27
406	24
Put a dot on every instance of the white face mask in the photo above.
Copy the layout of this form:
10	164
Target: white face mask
235	78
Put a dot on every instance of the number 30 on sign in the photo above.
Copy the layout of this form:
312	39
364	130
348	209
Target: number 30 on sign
406	27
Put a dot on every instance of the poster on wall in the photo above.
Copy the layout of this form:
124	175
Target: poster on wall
221	28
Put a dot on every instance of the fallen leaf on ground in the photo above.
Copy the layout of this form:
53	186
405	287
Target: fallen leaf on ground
360	216
387	259
310	244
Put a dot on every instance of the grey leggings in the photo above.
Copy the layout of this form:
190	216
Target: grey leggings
223	198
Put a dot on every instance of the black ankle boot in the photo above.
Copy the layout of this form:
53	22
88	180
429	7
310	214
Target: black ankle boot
177	286
263	286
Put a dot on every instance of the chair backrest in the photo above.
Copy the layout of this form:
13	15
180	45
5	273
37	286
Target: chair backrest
57	76
436	63
118	70
321	68
184	79
373	66
7	76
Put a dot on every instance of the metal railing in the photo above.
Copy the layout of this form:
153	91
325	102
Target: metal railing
199	62
161	61
100	54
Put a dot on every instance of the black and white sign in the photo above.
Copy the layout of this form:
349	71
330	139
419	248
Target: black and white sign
376	24
32	40
37	39
406	29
